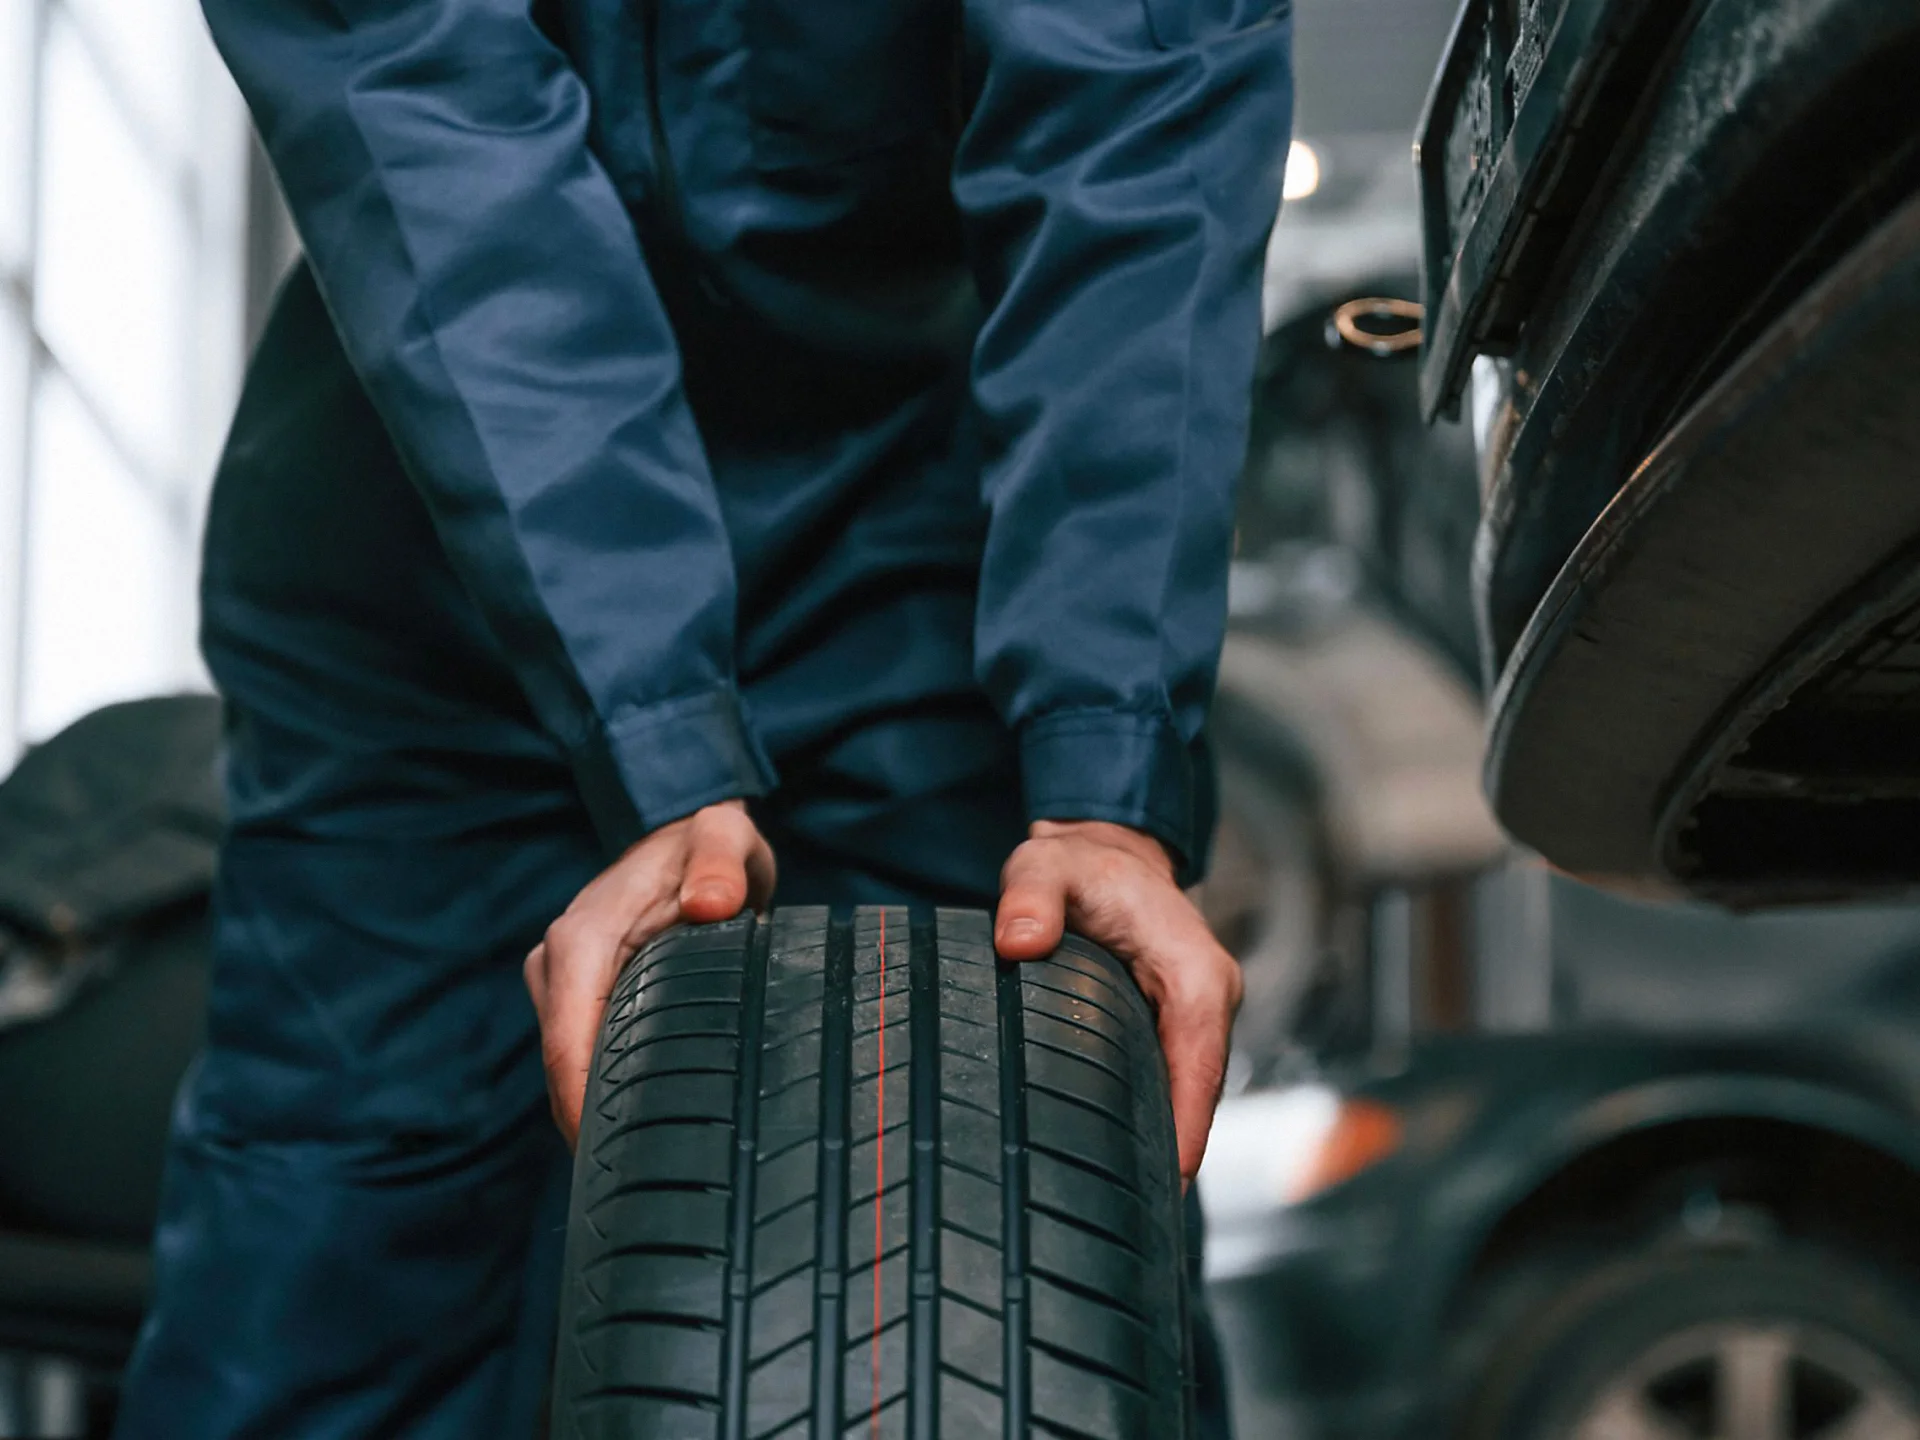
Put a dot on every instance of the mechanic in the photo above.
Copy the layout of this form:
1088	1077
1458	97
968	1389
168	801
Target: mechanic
699	432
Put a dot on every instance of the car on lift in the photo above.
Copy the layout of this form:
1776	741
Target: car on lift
1675	1200
1672	262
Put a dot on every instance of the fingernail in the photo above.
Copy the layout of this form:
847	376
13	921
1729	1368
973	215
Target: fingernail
1022	929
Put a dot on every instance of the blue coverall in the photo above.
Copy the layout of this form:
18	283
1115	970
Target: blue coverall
835	403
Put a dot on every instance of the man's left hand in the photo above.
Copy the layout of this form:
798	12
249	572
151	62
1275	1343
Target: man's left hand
1116	887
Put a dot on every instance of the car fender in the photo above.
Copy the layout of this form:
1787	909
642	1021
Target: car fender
1504	1163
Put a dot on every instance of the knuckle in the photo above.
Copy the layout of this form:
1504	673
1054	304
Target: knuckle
725	823
1200	990
566	937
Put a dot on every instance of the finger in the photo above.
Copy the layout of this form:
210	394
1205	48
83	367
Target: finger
1195	1024
584	952
720	843
534	971
1032	917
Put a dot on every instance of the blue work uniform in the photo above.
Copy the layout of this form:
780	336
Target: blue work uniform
836	405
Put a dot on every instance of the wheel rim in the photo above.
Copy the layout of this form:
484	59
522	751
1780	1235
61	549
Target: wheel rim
1753	1381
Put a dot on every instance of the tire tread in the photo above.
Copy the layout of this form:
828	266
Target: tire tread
722	1278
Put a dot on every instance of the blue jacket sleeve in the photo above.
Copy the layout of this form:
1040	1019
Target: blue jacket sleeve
489	289
1120	173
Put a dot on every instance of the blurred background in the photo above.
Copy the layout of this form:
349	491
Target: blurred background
1502	1155
135	235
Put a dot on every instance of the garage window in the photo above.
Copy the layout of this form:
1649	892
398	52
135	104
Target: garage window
123	269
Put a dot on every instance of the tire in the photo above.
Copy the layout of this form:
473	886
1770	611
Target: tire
1558	1340
720	1274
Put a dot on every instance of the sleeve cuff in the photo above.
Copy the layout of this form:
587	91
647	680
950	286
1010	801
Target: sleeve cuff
656	763
1126	768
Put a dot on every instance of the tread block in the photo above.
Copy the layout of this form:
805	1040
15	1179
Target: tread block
1083	1135
620	1416
1105	1208
890	1423
967	1408
1086	1401
861	1173
971	1202
1090	1084
695	1153
674	1055
670	1097
680	1355
792	1117
1095	1329
785	1178
970	1269
1071	1251
665	1284
974	1081
971	1343
970	928
1072	1038
785	1242
966	1147
692	1019
1043	999
667	1218
706	986
782	1315
966	1012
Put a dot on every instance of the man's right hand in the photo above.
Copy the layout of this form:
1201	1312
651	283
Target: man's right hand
704	868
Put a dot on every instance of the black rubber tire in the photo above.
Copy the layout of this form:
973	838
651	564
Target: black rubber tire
1549	1333
721	1278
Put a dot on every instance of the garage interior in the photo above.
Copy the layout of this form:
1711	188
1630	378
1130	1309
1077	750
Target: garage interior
1567	771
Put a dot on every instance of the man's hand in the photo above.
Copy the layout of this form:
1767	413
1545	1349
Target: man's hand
1115	886
700	869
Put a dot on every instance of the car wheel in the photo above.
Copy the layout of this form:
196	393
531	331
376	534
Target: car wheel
1694	1343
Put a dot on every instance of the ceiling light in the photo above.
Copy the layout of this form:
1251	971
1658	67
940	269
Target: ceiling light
1303	172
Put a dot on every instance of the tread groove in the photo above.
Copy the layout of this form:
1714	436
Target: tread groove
1017	1382
923	1171
830	1249
746	1142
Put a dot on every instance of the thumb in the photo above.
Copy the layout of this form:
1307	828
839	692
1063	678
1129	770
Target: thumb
727	864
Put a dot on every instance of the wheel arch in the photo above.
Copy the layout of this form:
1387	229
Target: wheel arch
1616	1148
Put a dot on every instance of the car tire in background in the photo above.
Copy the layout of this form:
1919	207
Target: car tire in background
847	1174
1675	1340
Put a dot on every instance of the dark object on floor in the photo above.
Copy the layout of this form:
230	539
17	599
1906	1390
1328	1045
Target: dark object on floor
1684	240
1028	1226
107	836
